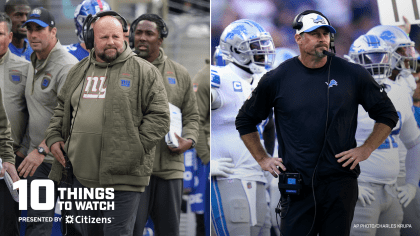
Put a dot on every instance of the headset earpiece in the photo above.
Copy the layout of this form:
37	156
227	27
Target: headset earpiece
297	24
332	46
163	32
88	35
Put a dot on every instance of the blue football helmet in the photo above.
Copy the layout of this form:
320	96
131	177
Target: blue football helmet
374	54
403	52
83	10
246	43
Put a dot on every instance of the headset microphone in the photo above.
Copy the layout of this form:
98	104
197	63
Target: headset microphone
327	53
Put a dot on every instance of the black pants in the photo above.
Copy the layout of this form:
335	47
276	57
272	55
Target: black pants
40	228
9	209
9	212
162	201
120	220
335	203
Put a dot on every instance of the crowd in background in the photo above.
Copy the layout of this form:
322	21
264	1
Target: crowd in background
350	18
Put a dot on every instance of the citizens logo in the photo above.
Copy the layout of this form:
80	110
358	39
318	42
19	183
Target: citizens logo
88	220
69	219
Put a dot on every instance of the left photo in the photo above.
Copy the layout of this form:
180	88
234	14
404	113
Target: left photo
104	117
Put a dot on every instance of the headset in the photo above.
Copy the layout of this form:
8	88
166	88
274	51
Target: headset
88	36
163	31
297	24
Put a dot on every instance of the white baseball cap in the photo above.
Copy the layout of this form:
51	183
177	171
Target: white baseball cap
312	22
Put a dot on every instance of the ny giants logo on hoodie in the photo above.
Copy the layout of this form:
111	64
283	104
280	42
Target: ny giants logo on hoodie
95	87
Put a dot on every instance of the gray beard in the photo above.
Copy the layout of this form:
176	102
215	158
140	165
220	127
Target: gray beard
320	54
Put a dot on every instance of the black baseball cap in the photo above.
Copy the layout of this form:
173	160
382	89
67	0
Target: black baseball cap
41	16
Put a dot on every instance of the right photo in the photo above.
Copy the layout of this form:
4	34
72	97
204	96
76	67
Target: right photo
315	117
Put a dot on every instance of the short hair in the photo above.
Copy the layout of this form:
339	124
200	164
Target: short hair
5	18
11	4
153	18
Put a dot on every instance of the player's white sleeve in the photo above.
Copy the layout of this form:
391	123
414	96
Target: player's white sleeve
216	101
410	132
410	136
412	164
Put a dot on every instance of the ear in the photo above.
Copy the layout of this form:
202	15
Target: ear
54	31
10	36
160	41
298	39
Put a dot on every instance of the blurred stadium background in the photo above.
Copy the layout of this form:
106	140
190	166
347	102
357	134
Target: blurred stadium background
351	18
188	22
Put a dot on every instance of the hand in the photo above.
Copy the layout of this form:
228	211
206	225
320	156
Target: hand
30	163
57	153
10	168
271	165
221	167
407	193
354	155
406	27
183	145
366	195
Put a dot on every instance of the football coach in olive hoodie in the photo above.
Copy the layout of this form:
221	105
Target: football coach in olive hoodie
111	113
163	197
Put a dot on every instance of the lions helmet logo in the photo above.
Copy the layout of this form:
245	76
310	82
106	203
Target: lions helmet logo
332	83
388	36
319	19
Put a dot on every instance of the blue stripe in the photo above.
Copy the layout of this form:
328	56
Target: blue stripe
217	214
373	41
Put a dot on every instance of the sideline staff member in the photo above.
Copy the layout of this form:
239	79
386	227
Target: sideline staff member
163	196
315	100
13	73
117	122
18	11
51	62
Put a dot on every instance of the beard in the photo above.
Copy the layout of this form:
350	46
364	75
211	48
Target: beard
143	53
108	58
319	53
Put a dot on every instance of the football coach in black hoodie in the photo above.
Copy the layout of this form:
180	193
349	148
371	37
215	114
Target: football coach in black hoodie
315	97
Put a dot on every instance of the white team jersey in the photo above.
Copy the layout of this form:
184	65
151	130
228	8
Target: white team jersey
261	126
383	165
407	81
225	140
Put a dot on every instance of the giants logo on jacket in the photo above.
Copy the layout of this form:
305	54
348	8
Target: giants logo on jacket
95	87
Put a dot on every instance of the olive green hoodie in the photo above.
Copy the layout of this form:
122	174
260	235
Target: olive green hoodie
180	92
135	118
